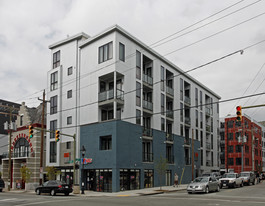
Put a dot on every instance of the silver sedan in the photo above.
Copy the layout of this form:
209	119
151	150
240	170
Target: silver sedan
203	184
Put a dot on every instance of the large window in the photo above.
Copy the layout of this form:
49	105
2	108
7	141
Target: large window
121	52
138	94
148	178
54	81
105	52
56	59
162	104
138	65
53	105
21	148
162	78
196	97
105	143
138	117
53	152
181	89
53	127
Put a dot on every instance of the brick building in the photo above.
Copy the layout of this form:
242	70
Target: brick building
234	136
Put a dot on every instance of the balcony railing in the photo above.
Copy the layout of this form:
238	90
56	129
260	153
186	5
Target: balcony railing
208	111
170	90
187	100
208	128
147	132
148	79
21	154
170	159
109	94
186	141
169	137
147	157
170	114
208	146
187	120
147	105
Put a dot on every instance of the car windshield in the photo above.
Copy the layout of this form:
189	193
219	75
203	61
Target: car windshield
201	179
206	175
230	175
244	174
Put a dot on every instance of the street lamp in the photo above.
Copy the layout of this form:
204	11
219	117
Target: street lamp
83	151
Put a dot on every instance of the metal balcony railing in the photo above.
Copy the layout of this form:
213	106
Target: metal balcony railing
147	132
187	120
208	111
169	137
147	79
170	114
187	100
170	90
148	105
187	141
109	94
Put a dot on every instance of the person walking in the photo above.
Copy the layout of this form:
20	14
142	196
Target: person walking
176	180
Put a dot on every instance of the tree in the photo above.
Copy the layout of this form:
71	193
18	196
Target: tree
52	172
161	168
25	174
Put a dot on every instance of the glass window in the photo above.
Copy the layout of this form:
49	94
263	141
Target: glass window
138	117
69	94
68	145
53	105
201	100
53	127
54	81
148	178
121	52
138	94
162	124
138	65
56	59
105	52
53	152
70	71
105	143
162	104
69	120
162	78
196	97
181	89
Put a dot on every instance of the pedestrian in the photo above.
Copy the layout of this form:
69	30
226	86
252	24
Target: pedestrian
176	180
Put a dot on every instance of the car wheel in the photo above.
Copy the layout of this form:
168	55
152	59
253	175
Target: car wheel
66	194
218	189
53	193
38	192
207	190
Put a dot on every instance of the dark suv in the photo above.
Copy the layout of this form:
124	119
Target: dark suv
2	185
248	177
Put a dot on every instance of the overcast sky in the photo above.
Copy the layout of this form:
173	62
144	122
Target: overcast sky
28	27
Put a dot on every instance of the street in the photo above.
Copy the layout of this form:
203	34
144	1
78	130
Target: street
248	195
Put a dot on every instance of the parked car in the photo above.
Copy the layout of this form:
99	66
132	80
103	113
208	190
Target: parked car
203	184
248	177
53	187
231	180
2	184
212	174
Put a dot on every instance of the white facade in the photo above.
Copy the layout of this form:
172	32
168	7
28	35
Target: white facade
108	90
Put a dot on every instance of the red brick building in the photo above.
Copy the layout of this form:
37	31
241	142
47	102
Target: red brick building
252	146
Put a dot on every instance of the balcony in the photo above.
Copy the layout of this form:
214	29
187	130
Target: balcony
148	132
109	95
208	128
187	100
186	141
147	157
187	121
148	80
169	137
147	105
170	114
208	111
170	91
208	146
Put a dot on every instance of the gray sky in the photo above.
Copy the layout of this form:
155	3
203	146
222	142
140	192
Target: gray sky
28	27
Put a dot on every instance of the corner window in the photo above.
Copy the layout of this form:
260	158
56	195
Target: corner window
105	143
54	81
105	52
121	52
56	59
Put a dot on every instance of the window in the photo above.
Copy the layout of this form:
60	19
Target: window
247	161
162	124
53	105
68	145
69	94
238	148
230	149
70	71
105	52
230	136
162	104
69	120
53	127
201	121
196	97
246	149
53	152
238	161
230	161
201	100
54	81
197	118
138	117
181	89
21	120
106	115
121	52
138	94
105	143
56	59
230	124
162	78
138	65
181	112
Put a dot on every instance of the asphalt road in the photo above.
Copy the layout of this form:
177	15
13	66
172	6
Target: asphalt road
246	196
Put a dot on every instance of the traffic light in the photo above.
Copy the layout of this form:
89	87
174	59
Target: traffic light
57	135
30	131
238	113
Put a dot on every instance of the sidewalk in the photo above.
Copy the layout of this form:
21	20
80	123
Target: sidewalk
131	193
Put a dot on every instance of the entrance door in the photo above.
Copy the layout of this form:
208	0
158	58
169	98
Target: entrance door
91	174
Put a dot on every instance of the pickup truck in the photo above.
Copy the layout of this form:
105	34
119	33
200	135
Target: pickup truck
231	180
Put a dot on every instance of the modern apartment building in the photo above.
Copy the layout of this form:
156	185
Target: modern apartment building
235	135
128	106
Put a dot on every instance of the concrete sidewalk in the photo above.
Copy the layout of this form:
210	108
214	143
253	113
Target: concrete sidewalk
131	193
